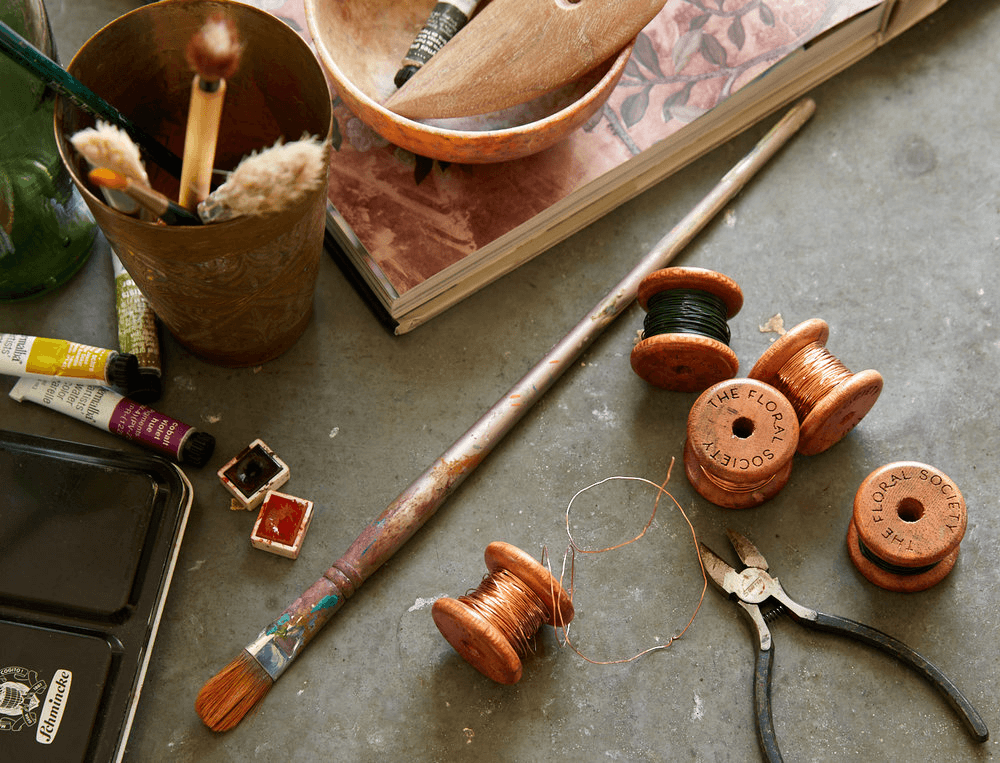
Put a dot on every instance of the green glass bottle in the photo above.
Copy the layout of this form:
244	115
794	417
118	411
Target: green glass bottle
46	230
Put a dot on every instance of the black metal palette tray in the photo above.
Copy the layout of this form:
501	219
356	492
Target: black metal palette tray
88	542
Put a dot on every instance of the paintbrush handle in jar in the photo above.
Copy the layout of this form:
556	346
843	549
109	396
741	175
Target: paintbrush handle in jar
415	505
200	139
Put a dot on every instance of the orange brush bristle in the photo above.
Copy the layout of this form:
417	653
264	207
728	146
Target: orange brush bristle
232	693
106	178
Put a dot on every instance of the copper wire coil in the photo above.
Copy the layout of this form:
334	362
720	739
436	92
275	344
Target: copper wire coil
741	439
829	400
509	606
809	376
493	626
731	486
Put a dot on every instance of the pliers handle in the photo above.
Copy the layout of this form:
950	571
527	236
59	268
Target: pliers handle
875	638
754	586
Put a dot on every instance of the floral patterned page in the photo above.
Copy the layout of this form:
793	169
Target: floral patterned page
416	217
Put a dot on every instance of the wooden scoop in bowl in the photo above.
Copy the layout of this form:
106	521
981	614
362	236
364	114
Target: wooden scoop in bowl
513	51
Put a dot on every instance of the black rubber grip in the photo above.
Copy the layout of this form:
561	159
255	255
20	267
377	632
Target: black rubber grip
876	638
762	706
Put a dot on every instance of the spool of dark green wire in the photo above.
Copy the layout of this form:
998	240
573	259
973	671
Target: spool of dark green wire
685	338
686	311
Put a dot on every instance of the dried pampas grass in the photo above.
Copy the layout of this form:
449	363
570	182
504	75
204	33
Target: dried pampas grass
110	147
271	180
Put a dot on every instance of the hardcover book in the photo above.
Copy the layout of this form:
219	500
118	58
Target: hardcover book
416	235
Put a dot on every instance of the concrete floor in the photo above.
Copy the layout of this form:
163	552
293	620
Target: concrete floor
882	217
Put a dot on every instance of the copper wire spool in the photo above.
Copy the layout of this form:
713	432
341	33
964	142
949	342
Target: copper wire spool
908	521
741	439
493	626
692	352
828	399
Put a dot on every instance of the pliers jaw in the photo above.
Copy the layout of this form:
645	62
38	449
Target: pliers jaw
752	586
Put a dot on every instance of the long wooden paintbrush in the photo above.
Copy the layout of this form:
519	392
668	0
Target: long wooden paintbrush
33	60
226	698
214	54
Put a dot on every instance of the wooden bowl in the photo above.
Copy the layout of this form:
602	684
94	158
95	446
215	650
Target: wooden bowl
361	43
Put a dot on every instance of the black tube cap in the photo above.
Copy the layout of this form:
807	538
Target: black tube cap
148	388
123	372
404	74
198	449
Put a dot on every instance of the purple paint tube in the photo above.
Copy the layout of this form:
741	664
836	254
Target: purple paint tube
106	409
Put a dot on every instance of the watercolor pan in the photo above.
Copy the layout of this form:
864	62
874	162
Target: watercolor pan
252	472
281	524
88	542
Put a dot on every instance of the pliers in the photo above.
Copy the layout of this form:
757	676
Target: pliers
754	586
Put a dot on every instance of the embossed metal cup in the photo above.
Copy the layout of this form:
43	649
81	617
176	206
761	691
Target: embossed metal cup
235	293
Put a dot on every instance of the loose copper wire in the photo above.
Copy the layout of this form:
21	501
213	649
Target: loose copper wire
574	549
508	605
809	375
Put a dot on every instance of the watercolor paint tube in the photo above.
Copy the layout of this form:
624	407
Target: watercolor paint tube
444	22
137	333
39	357
106	409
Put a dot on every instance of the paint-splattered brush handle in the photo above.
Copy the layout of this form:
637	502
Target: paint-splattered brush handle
30	58
282	641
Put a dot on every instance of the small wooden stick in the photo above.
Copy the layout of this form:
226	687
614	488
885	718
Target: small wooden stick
229	695
214	54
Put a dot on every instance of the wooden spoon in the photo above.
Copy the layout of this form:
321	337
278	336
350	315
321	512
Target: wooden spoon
513	51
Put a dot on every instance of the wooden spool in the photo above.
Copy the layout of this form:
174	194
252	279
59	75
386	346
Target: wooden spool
686	362
741	439
828	399
908	521
480	641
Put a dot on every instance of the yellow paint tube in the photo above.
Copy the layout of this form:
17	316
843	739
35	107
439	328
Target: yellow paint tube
40	357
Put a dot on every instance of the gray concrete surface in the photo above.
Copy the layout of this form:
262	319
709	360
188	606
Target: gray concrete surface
882	217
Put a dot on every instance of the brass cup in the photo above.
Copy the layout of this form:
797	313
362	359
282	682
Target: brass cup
236	293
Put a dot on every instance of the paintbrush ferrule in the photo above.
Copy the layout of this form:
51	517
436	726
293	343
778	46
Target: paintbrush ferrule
211	210
281	641
270	655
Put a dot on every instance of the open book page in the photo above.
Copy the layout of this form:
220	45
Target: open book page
416	218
